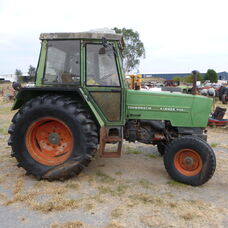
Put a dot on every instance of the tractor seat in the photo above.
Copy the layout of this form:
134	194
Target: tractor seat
67	77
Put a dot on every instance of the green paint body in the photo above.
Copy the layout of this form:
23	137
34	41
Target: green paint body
180	109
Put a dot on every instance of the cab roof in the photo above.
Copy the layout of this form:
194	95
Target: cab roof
81	35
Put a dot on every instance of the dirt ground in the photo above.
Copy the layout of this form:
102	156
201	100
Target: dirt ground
132	191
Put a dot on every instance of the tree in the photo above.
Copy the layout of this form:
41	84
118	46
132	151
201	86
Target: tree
189	78
31	71
177	78
211	75
133	50
18	74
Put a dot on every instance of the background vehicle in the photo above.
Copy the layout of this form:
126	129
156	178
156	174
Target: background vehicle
81	100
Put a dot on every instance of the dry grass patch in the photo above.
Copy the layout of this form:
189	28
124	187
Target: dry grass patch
75	224
117	190
18	187
56	203
88	206
145	184
154	221
116	213
114	225
2	179
188	216
224	145
98	198
146	198
72	185
2	197
105	190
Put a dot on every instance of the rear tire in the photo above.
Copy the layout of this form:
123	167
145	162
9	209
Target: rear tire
53	137
190	160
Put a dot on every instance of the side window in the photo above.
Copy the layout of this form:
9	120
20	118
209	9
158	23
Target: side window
62	62
101	67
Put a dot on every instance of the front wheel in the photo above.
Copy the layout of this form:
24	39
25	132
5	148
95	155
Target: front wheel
190	160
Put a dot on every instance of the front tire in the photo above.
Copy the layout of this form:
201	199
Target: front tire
53	137
190	160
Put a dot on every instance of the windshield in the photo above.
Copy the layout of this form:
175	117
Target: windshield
62	62
101	66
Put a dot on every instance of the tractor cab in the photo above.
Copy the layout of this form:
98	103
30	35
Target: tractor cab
85	59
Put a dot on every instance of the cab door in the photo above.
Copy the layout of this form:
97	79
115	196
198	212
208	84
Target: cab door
102	82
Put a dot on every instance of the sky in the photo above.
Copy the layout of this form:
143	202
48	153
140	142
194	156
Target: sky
178	35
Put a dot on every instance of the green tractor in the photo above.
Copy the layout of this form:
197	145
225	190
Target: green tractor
80	100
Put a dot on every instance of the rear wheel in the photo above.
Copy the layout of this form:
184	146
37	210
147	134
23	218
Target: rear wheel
190	160
53	137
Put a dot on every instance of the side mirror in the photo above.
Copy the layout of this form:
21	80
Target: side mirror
104	42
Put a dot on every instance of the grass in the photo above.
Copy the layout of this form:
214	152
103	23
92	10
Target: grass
104	177
152	156
2	196
118	190
2	179
188	216
5	109
114	225
3	131
175	183
130	150
145	183
121	189
146	198
173	204
105	190
88	206
56	203
72	185
214	144
98	198
18	187
75	224
116	213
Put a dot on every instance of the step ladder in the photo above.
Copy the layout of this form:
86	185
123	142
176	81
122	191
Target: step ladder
105	138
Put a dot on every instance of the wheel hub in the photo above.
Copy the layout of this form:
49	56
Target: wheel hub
188	162
54	138
49	141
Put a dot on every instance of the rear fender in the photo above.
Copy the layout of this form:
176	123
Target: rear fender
26	94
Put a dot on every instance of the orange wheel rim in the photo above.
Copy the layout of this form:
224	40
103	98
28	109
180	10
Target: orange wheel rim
49	141
188	162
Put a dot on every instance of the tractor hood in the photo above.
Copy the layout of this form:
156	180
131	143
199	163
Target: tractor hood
182	110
